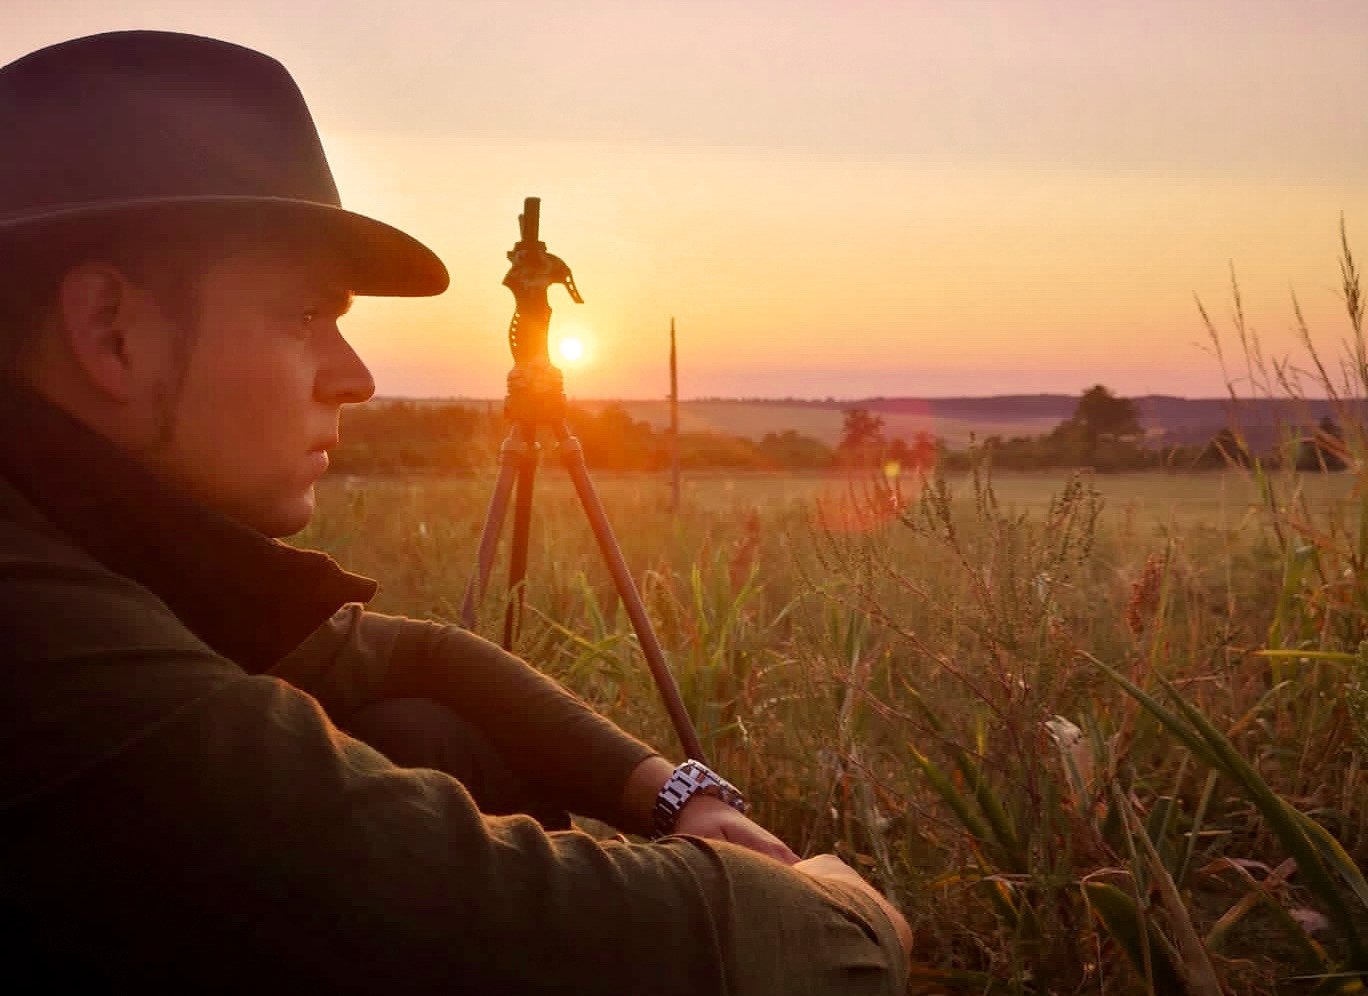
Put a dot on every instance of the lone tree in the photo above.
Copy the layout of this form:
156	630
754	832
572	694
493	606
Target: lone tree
1106	416
1102	417
862	437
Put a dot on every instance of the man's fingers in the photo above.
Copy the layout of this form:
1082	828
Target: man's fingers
771	848
705	816
751	835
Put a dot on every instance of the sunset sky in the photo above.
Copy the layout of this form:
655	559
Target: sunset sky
832	198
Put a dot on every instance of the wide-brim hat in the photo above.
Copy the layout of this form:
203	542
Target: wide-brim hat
112	125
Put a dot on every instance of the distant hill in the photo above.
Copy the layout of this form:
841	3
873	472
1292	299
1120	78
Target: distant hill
1166	419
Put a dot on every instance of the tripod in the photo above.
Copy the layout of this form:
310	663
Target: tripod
535	400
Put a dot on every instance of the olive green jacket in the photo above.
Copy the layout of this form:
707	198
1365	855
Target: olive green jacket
180	811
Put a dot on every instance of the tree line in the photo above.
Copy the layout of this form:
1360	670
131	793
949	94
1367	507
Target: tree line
1104	433
405	437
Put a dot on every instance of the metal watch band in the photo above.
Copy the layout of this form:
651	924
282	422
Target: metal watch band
688	780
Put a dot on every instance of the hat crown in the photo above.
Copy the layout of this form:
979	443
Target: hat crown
150	116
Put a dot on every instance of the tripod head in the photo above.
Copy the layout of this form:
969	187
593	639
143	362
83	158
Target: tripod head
533	271
536	387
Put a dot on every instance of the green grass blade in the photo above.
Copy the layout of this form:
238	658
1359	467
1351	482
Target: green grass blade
1334	656
1285	822
1198	818
1120	918
1208	743
1004	833
1157	829
950	795
1198	971
1335	855
1194	743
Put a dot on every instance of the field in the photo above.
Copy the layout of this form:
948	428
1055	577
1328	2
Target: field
932	683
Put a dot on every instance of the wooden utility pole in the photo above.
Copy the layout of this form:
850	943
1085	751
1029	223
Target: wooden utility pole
674	422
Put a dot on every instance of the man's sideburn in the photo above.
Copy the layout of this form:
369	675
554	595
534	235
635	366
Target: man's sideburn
176	296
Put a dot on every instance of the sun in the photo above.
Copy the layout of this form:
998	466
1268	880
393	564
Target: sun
572	349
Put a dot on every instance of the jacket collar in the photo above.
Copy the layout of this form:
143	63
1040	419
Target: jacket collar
251	598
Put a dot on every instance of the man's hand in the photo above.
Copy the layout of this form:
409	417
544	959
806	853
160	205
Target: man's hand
706	816
702	816
830	868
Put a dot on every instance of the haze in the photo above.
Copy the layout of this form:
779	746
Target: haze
832	199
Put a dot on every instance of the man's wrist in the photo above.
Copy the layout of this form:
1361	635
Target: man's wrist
690	781
640	793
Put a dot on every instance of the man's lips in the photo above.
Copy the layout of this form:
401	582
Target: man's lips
319	455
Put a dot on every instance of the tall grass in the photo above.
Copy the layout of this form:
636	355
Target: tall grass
1094	735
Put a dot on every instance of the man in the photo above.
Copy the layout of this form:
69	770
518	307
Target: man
181	806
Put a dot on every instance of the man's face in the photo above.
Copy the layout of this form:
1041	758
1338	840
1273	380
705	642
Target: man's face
266	371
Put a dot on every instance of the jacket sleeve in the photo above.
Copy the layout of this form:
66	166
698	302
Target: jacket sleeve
172	822
552	738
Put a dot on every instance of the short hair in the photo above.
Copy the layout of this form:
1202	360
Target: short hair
164	250
31	278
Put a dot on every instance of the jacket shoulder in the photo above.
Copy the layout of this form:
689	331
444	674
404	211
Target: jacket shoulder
92	657
57	601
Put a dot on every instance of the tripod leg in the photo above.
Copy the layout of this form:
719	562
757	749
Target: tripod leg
522	527
510	454
573	456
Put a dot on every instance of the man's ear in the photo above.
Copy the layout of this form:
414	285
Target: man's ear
102	317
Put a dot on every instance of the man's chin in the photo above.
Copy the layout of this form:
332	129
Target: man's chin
289	518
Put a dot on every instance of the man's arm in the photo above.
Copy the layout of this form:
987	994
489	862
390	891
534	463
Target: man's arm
171	819
579	759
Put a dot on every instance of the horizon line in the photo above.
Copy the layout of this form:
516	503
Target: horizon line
833	400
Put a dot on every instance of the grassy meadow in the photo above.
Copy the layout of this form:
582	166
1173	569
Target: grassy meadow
1094	734
1031	708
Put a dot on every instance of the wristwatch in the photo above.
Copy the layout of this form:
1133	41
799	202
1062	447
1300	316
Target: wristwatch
688	780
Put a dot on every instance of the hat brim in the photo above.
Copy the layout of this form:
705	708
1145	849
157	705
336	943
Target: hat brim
381	260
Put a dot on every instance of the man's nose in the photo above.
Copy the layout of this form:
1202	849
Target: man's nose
343	378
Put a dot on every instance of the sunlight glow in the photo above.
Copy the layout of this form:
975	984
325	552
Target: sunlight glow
571	350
